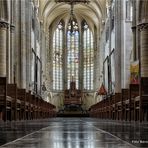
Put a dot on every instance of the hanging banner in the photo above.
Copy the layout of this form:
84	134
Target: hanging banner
102	90
134	70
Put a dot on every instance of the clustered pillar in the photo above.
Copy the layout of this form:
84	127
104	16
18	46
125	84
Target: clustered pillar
144	49
12	28
3	48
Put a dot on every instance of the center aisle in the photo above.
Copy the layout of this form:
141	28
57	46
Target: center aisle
69	133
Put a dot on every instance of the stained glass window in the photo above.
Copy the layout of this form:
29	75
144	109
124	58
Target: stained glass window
73	54
57	58
88	52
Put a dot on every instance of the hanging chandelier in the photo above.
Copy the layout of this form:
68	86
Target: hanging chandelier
73	26
73	1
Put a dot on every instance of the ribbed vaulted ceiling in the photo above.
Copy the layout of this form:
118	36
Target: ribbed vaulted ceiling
93	12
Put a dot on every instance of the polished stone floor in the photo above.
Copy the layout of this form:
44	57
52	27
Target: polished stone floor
73	133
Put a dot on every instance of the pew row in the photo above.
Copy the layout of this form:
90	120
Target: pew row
17	104
129	105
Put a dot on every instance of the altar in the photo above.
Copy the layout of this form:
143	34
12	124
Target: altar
72	96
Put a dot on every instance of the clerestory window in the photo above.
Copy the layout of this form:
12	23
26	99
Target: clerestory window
57	58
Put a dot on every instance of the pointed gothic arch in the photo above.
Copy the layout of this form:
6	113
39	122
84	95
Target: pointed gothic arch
143	15
4	14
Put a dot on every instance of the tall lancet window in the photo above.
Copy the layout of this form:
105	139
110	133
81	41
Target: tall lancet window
73	53
57	58
88	52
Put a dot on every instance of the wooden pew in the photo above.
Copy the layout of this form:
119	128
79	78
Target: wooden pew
118	106
12	92
21	95
33	107
112	107
105	107
53	110
125	104
40	107
134	92
5	101
36	106
28	105
93	110
143	113
109	107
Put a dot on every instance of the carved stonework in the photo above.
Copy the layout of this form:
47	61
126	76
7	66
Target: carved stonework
143	26
12	28
133	28
3	24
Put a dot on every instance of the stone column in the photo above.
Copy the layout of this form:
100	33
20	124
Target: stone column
8	56
143	59
134	30
23	46
12	36
65	60
144	49
118	42
3	48
28	43
81	60
134	43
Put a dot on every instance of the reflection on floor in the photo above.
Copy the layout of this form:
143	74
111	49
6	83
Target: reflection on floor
73	133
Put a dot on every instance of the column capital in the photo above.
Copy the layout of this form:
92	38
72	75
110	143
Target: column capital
133	28
12	28
3	24
143	26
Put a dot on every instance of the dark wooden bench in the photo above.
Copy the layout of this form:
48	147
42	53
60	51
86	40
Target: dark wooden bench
118	106
40	107
143	113
33	106
52	109
134	92
37	106
107	107
12	92
21	96
112	106
125	104
5	101
28	105
93	110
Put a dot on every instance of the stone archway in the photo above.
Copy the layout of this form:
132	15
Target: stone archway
4	10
